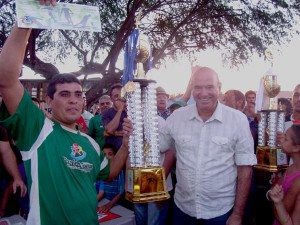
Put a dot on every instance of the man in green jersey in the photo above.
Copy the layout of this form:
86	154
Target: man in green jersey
61	163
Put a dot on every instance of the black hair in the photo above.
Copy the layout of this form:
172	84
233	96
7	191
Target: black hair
115	86
288	105
60	79
110	146
35	100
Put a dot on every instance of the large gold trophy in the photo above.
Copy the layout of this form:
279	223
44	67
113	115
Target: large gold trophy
145	177
269	155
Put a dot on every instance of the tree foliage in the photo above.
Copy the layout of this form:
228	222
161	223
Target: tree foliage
175	27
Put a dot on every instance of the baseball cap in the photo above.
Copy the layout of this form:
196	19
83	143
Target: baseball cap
179	103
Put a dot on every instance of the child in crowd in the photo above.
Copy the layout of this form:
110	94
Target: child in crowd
113	190
286	193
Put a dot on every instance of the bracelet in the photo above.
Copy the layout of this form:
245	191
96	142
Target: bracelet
267	196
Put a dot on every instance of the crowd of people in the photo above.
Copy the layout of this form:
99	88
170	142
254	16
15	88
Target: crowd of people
59	165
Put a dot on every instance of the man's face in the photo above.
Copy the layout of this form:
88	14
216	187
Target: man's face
161	101
105	103
115	95
109	153
206	90
251	98
296	99
67	103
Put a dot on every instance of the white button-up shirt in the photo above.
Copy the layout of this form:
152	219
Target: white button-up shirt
208	154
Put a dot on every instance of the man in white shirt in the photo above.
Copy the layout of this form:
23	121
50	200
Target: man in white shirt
214	151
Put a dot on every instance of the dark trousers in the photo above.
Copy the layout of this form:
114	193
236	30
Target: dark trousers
180	218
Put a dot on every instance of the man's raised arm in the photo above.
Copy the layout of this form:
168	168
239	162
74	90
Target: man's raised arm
11	60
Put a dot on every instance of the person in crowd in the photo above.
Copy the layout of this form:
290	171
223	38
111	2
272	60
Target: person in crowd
36	101
96	129
44	108
250	96
212	142
285	105
105	103
10	164
113	117
236	100
82	126
250	111
176	105
161	100
157	213
285	194
295	116
113	190
87	116
62	164
95	109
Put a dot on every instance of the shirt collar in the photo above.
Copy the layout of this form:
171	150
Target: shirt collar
217	115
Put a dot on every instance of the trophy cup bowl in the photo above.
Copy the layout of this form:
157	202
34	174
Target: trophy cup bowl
143	49
143	54
272	88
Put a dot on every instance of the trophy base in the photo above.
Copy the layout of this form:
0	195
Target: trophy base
146	185
271	159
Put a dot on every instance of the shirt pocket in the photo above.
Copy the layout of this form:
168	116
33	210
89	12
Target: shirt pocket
185	148
185	142
220	144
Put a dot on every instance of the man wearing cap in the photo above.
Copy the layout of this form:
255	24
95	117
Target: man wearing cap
162	99
176	105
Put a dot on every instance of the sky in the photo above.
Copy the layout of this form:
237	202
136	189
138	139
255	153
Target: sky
174	77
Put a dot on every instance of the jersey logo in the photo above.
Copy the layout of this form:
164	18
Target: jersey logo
77	152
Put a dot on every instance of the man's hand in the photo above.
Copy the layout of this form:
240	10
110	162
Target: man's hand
106	207
120	105
48	2
19	184
127	131
234	219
